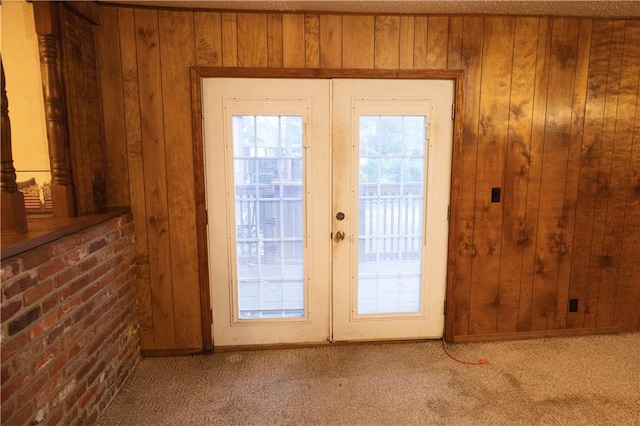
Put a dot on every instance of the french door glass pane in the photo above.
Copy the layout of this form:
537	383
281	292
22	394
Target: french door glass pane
268	171
391	203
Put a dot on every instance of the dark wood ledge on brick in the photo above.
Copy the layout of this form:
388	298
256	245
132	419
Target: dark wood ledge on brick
43	230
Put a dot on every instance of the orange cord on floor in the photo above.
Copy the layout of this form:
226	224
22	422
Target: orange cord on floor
446	350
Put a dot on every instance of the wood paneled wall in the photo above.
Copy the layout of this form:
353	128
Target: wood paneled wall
551	116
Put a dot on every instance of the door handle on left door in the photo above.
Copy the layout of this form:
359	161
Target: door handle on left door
339	236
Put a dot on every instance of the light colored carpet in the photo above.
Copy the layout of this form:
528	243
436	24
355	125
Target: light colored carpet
591	380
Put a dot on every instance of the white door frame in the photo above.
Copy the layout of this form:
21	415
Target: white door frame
200	73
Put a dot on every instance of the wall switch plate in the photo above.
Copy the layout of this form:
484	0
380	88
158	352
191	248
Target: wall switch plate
495	195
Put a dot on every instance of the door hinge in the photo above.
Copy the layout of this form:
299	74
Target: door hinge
448	213
444	309
211	315
453	111
206	216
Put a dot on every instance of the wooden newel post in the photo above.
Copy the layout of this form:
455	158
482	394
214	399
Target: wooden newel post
46	20
14	218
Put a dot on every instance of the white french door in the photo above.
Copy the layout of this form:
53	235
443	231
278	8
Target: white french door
327	204
392	160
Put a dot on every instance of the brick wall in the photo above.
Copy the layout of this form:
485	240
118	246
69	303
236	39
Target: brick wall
69	326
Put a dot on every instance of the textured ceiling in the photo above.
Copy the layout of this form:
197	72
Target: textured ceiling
629	8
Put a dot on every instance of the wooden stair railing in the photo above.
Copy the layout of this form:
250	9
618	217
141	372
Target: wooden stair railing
14	218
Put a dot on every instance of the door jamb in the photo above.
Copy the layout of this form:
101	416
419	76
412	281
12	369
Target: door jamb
197	117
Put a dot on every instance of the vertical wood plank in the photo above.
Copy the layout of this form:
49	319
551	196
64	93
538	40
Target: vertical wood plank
421	41
293	41
589	164
620	166
330	41
600	262
358	41
155	176
407	27
472	64
93	125
128	53
252	40
387	42
110	69
437	42
229	40
535	174
454	54
208	34
274	40
177	57
517	163
573	171
312	40
627	298
550	248
493	123
74	51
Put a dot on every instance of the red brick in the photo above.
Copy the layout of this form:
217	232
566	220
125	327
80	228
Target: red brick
46	358
70	416
58	364
80	314
81	387
95	373
66	276
7	410
112	236
88	235
85	368
74	333
59	330
64	392
118	246
5	373
92	418
43	325
93	317
13	385
76	256
21	284
71	304
48	390
37	257
31	387
97	245
89	292
64	245
55	300
10	268
127	230
24	320
13	345
36	293
87	265
9	309
88	395
55	417
98	272
20	418
51	268
79	284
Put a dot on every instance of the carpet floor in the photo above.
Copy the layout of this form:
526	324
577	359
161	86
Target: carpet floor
592	380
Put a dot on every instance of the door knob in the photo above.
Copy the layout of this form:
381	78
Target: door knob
339	236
